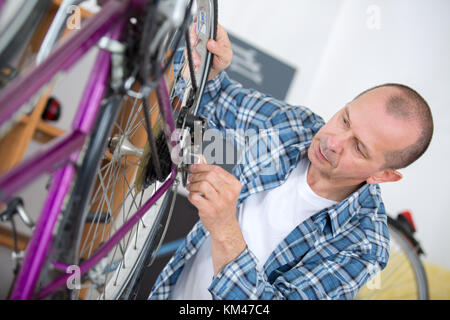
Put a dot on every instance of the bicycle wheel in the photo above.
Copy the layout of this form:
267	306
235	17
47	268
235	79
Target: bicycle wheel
111	185
403	278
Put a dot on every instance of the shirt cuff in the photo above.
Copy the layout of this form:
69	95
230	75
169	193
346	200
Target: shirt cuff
237	280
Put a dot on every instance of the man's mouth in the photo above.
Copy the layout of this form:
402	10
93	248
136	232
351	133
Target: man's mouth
320	154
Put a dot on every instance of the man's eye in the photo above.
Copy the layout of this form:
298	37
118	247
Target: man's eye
344	121
358	149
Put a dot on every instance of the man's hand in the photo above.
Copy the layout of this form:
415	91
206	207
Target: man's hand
221	49
220	191
214	192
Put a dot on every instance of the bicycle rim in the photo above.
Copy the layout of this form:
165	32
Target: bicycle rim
404	276
116	158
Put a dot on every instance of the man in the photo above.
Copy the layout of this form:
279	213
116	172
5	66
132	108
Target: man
313	229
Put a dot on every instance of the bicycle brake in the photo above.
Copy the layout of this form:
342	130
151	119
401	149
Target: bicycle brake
191	145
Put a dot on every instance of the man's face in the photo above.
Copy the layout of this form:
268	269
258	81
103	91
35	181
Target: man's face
352	145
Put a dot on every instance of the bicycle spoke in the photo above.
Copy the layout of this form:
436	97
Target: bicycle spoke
98	193
135	114
104	201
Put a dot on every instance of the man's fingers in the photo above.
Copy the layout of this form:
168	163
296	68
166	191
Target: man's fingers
214	180
222	35
198	201
225	179
212	46
203	187
204	167
221	43
219	50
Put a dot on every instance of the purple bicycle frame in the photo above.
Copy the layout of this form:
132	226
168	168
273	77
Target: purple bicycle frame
110	20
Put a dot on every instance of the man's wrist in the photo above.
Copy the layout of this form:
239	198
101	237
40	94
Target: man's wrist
213	74
226	246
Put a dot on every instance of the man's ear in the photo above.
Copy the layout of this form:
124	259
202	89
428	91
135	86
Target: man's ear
386	175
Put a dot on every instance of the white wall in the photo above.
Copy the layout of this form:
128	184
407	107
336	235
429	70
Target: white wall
340	52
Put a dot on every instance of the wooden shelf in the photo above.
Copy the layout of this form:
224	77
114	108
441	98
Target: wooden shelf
44	131
15	143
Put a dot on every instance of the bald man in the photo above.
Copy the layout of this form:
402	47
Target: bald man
315	228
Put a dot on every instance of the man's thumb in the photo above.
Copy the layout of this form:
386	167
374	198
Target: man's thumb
211	45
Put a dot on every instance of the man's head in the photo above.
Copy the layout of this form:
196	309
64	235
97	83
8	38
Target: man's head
383	129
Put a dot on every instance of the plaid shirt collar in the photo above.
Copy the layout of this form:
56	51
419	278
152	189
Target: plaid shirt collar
359	202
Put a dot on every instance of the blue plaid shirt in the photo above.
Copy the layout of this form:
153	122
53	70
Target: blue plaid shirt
331	255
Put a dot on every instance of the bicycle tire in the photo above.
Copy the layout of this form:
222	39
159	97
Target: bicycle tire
70	233
408	283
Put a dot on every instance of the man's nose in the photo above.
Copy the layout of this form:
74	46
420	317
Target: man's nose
336	143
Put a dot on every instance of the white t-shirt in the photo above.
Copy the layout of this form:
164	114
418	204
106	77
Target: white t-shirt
265	218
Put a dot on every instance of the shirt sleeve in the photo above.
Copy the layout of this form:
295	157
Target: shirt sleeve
338	277
227	105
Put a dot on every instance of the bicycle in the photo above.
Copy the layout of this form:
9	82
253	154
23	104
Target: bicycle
104	211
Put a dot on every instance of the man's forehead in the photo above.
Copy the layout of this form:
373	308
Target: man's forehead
378	130
382	92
